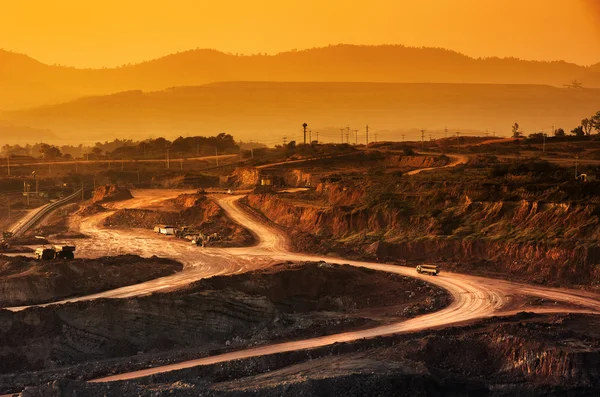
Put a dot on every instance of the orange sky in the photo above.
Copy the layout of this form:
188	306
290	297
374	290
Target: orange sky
96	33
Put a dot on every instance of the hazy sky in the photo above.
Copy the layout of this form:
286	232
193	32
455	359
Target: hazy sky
95	33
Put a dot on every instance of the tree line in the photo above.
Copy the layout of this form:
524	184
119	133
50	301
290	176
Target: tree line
584	129
129	149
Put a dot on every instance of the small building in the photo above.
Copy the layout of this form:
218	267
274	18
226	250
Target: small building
165	229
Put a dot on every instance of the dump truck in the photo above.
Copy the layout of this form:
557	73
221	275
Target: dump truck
45	254
432	270
64	252
55	252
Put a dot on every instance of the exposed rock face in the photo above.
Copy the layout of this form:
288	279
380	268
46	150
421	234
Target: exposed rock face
549	242
522	355
284	302
108	193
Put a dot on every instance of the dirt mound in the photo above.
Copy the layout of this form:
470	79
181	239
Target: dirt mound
91	209
107	193
199	213
24	281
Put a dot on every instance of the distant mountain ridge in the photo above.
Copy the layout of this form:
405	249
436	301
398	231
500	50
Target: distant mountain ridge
26	82
267	111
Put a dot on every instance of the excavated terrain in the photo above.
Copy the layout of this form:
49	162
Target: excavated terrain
196	211
524	355
527	221
89	339
25	281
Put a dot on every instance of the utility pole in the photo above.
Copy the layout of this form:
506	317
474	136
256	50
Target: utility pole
310	136
356	137
348	136
457	141
544	142
317	137
430	137
422	137
304	126
375	137
402	137
367	135
284	140
342	132
446	131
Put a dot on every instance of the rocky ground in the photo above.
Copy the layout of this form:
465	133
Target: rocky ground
522	355
26	281
91	339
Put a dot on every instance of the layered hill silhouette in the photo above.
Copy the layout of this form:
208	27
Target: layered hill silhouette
26	82
269	110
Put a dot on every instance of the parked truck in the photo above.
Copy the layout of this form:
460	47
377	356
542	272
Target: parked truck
432	270
45	254
65	252
56	252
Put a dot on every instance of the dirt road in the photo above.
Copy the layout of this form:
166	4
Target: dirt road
474	297
455	159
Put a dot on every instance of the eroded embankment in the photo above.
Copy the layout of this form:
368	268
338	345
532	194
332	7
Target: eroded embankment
25	281
466	226
288	301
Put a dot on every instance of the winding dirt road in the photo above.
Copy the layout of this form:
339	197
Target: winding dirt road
473	297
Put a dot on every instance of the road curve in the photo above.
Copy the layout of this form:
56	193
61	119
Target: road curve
455	159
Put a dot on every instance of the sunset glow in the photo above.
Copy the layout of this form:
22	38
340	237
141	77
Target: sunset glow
110	33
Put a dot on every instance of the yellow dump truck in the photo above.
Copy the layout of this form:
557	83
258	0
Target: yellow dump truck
432	270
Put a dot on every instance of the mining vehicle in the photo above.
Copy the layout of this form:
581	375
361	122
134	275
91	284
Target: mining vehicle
432	270
64	252
45	254
56	252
